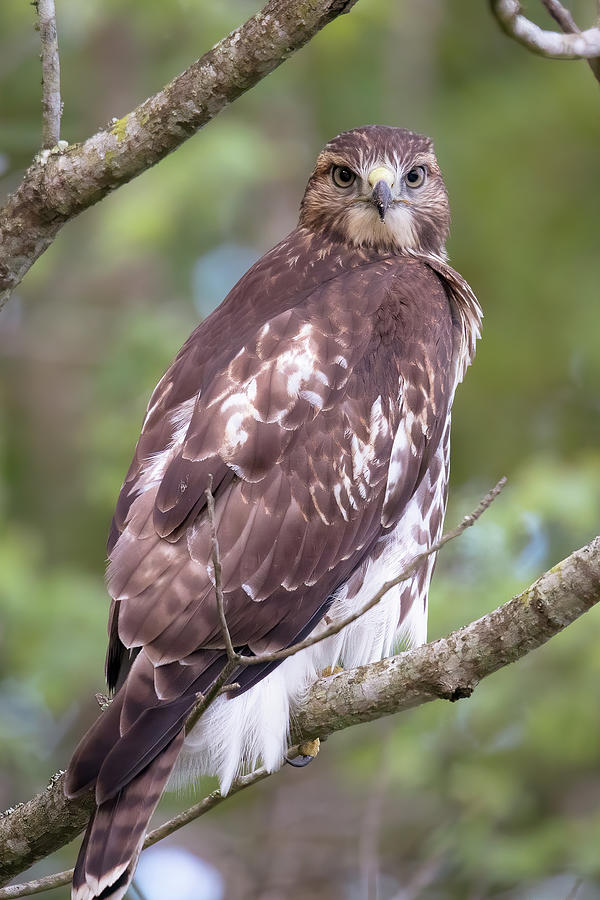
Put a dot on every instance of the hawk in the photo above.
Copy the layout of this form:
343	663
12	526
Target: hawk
316	402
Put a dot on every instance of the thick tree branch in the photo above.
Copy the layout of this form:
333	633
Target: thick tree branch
575	45
452	667
448	669
51	102
62	183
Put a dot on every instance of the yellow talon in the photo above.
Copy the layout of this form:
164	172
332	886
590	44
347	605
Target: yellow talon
331	670
309	748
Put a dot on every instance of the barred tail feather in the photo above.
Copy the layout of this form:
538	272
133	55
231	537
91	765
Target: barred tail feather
115	834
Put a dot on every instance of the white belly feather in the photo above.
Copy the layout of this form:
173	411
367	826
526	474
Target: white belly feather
237	735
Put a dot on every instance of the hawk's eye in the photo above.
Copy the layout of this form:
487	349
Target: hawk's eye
415	177
343	176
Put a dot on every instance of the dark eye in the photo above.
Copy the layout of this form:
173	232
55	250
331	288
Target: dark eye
415	177
343	176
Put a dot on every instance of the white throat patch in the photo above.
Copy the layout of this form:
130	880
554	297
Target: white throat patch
364	228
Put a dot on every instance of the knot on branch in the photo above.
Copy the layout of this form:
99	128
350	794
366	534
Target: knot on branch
539	605
444	691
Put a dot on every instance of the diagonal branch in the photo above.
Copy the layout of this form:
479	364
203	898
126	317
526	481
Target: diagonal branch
51	102
576	45
448	669
63	182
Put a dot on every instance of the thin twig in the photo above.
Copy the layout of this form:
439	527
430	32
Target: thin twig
580	45
48	882
406	573
51	102
563	16
216	688
216	561
575	889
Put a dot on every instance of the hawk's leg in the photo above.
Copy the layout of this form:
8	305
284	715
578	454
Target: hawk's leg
308	750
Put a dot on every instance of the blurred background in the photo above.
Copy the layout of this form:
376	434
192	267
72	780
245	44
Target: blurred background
497	796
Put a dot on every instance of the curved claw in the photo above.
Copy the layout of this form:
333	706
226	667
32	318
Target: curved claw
306	753
299	761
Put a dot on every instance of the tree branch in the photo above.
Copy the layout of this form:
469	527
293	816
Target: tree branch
447	669
575	45
48	882
63	182
51	102
568	24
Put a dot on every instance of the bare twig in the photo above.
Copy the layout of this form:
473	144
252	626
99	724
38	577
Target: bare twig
562	15
406	573
449	669
51	102
216	561
575	889
578	45
568	24
204	700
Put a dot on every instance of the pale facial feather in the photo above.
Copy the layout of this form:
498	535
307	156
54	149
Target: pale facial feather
416	220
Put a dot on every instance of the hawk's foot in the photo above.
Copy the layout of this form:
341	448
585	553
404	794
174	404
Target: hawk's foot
306	753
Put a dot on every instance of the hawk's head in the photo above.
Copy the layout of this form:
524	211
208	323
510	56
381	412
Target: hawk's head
380	187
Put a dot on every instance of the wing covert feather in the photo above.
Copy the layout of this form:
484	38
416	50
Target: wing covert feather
317	432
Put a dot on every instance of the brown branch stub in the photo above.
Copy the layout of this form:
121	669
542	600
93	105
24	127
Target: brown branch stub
578	45
62	183
51	102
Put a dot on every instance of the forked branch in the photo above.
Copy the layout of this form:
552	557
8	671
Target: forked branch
573	44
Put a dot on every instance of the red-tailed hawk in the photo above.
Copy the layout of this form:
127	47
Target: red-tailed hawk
316	399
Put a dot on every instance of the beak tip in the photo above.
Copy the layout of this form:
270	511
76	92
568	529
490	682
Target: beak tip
382	197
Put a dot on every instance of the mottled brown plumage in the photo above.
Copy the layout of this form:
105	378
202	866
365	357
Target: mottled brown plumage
317	398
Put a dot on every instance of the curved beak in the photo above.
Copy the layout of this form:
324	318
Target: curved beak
381	180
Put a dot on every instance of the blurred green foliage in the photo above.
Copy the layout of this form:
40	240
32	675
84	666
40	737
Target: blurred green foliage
499	795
